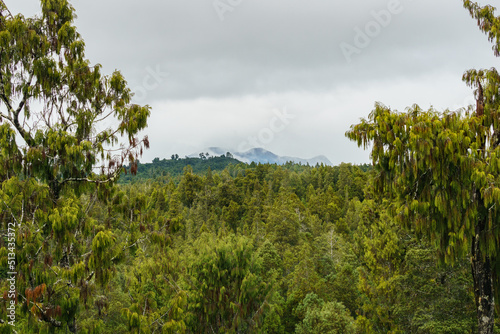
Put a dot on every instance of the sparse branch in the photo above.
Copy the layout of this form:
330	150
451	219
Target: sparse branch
112	178
103	118
159	318
64	121
14	114
6	8
7	104
7	117
26	135
487	22
11	213
25	94
90	276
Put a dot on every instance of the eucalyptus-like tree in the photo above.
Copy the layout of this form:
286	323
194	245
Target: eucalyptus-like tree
66	130
67	117
443	172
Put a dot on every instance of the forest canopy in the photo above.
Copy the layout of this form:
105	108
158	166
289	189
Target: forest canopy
218	246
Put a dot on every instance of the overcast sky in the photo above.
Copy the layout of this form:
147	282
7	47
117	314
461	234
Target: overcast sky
290	76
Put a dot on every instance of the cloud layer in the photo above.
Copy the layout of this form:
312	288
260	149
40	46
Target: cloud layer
214	71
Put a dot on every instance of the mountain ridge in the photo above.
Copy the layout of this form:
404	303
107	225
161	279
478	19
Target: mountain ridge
261	155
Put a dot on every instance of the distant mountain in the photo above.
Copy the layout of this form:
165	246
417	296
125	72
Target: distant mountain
260	155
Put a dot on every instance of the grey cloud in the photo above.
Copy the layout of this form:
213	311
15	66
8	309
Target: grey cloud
283	48
276	46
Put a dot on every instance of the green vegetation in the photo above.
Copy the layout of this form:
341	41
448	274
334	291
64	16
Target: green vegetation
174	167
267	250
440	171
226	247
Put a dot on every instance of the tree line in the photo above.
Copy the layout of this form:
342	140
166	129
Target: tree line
269	249
408	246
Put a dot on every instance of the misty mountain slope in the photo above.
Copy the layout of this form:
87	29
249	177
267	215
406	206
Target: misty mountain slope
260	155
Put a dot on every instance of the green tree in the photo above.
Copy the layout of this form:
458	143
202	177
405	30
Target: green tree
189	186
284	220
64	141
431	299
443	172
55	147
320	317
227	291
401	286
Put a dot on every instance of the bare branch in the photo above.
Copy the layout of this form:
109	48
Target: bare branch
7	9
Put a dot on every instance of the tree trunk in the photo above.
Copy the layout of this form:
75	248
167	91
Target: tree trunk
72	325
483	284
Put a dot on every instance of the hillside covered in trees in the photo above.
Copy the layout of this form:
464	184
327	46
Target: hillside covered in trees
269	249
174	167
93	241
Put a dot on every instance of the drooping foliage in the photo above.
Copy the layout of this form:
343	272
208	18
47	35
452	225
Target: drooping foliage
66	132
442	172
253	248
245	253
60	105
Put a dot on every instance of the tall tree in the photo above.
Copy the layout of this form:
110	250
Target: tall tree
60	106
62	121
228	293
443	172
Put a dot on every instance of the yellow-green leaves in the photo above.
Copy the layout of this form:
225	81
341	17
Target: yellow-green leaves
487	22
43	61
102	253
438	160
226	284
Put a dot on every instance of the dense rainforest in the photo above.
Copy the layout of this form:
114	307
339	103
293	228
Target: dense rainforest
93	241
249	249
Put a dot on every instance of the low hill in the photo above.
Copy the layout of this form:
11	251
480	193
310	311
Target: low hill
175	167
263	156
